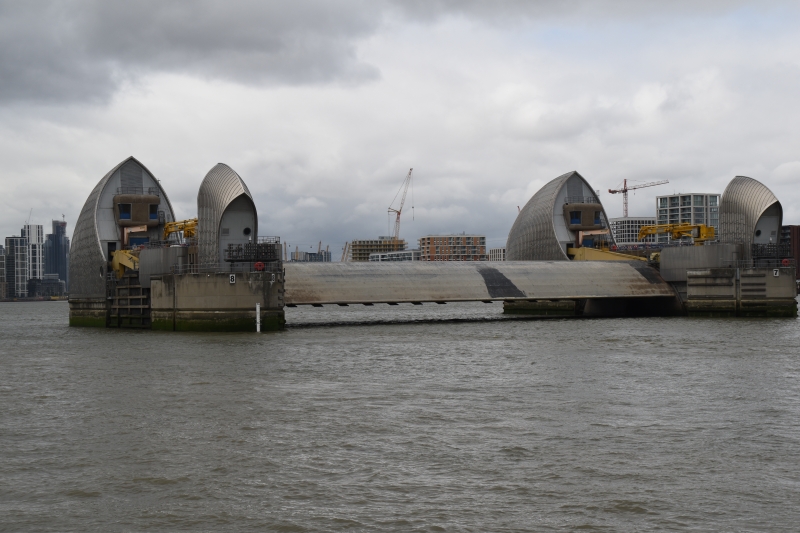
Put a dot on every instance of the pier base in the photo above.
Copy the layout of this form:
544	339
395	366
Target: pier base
88	312
217	301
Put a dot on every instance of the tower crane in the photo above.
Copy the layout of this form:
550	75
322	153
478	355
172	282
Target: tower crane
404	187
624	190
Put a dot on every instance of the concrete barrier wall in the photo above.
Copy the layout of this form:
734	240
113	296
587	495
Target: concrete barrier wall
210	302
741	292
155	261
677	259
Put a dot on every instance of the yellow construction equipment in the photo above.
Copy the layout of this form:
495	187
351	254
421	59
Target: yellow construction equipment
593	254
188	227
122	259
699	232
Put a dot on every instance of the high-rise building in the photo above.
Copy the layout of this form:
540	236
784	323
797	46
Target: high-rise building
2	272
626	230
34	233
461	247
56	252
694	208
16	267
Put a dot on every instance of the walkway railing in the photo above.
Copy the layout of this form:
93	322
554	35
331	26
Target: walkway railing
226	268
153	191
581	200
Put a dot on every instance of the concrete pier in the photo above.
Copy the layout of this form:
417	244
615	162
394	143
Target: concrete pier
217	301
743	292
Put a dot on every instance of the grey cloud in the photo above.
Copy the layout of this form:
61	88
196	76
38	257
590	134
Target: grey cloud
84	50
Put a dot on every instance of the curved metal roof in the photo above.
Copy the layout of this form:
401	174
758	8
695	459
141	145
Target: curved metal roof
221	186
533	234
87	261
742	204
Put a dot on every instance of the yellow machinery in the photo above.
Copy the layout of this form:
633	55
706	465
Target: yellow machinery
122	259
188	227
699	232
593	254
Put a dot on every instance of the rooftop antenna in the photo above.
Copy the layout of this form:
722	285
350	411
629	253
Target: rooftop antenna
29	217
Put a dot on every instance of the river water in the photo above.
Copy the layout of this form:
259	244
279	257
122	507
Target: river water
432	418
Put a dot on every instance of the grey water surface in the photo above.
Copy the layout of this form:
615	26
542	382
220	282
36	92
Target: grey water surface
407	418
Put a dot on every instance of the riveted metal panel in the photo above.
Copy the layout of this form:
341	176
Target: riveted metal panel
742	204
533	234
221	186
87	262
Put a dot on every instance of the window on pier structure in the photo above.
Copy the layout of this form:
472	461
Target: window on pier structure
574	217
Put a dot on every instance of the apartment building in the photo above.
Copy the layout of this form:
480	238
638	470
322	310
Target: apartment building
360	250
497	254
691	208
626	230
16	267
461	247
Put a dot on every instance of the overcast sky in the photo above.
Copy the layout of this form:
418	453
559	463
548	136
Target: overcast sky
323	106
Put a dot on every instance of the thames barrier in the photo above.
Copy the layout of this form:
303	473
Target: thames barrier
133	265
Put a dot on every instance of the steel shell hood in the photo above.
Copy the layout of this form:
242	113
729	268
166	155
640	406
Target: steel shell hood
221	186
87	260
538	233
743	204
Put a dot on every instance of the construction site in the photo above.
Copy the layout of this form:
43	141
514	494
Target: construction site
134	265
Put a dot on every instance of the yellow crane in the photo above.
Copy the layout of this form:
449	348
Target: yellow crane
122	259
188	227
699	232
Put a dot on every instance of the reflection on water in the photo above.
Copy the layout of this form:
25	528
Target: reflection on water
444	424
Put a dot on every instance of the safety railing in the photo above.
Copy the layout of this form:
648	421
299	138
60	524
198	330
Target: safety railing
581	200
253	252
769	262
150	191
227	268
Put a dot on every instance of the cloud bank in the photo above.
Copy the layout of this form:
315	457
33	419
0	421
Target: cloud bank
323	106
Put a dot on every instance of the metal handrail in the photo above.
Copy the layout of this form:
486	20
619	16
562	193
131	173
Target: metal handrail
226	268
581	200
153	191
766	262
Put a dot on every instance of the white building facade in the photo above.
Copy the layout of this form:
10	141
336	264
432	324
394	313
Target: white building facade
16	267
626	230
403	255
34	233
694	208
497	254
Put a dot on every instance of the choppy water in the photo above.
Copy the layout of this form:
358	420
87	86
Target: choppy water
557	425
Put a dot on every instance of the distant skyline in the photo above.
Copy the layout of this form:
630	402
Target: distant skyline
322	107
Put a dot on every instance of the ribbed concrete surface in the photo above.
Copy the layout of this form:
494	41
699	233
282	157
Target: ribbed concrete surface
418	281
